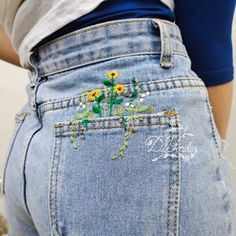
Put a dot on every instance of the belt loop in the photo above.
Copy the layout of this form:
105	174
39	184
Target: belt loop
33	72
166	49
33	77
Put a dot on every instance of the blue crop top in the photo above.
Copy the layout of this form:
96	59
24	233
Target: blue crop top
206	27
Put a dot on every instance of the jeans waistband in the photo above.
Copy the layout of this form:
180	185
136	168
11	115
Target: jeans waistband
127	37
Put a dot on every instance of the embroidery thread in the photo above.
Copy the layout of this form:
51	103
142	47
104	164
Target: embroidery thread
109	102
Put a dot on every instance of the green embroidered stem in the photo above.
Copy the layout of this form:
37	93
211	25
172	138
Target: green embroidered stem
111	96
84	118
135	99
106	103
129	130
123	148
74	134
75	129
99	108
78	116
119	111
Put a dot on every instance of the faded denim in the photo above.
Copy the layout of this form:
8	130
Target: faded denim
173	178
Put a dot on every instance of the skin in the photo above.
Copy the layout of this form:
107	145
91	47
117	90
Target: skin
220	96
7	52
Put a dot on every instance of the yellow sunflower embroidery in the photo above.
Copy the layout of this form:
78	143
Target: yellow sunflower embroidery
93	94
112	74
119	88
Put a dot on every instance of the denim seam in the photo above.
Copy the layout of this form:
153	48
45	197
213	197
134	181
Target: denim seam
171	185
169	189
177	181
44	110
57	104
155	82
99	59
60	132
53	204
105	24
20	116
181	82
26	145
65	127
19	122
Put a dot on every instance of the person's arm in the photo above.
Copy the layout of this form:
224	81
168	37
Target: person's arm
206	27
221	100
7	52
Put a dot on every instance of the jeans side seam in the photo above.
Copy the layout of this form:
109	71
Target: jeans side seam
18	124
53	204
26	145
174	187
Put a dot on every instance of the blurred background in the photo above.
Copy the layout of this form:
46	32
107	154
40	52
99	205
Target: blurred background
13	81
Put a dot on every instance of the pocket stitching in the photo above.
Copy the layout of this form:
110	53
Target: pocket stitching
64	127
174	184
53	210
55	164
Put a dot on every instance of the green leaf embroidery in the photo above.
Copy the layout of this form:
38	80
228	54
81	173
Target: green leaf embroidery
104	106
130	109
151	109
107	82
96	109
134	94
142	108
100	97
79	116
85	122
120	110
118	101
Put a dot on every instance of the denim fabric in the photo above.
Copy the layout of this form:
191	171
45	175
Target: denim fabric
172	177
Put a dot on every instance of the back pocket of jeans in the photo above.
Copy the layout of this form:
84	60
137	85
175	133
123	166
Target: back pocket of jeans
105	145
19	119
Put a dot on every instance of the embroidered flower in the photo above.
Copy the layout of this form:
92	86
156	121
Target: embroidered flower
113	74
119	88
93	94
82	104
110	102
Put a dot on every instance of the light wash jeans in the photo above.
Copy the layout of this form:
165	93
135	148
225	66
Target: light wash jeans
117	138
